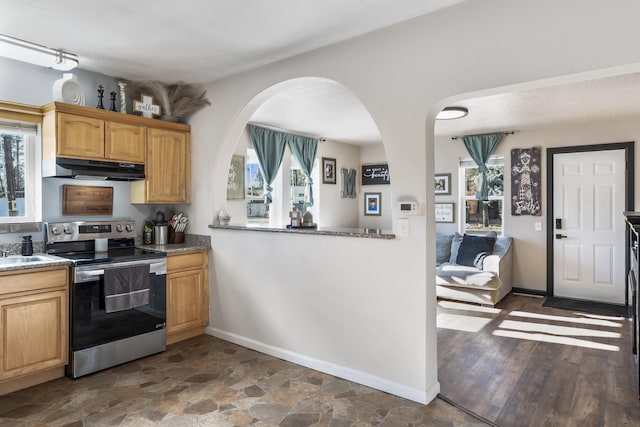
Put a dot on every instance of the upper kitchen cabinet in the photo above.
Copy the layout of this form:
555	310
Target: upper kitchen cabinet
89	133
124	142
168	169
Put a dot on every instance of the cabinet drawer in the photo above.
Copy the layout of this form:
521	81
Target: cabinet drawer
190	260
11	282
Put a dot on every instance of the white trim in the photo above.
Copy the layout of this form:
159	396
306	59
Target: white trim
22	128
32	176
416	395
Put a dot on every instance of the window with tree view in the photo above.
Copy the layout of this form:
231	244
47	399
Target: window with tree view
19	177
481	216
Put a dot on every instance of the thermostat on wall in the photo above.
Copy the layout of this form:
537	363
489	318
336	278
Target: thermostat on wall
408	208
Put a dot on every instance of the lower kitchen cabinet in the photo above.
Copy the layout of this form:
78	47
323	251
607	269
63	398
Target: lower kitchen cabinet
187	295
33	327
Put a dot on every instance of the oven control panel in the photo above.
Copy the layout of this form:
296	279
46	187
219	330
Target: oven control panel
88	230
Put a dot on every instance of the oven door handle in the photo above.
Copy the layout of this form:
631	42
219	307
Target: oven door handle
88	276
158	269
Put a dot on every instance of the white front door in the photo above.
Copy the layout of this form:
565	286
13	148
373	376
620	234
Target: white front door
589	199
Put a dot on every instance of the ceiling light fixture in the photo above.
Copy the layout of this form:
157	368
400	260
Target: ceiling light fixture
36	54
449	113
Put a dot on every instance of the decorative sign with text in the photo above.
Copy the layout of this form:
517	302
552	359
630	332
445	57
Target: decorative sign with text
375	174
146	107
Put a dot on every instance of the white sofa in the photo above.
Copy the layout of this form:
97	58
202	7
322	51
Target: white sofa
486	283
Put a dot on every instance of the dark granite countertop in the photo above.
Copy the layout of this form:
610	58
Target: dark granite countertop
192	243
322	231
15	262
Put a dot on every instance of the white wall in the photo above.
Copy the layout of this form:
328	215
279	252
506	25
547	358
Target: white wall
374	155
336	211
530	247
379	295
238	208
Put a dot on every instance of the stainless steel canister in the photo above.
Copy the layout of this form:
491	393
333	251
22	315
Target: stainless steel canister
160	234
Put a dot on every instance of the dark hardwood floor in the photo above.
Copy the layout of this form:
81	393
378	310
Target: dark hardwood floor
522	364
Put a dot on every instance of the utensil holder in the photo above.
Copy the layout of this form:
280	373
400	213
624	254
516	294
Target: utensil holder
176	237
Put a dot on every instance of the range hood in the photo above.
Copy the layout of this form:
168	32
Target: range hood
62	167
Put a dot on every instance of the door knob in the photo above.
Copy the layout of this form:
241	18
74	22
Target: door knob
560	236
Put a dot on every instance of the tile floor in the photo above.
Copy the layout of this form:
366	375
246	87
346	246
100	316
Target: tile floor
209	382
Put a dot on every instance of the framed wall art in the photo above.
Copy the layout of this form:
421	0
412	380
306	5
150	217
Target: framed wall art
328	170
235	179
443	184
375	174
373	204
444	212
526	184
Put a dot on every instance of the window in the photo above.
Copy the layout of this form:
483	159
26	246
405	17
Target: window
20	177
257	211
480	216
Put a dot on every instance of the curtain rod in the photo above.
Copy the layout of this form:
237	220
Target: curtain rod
508	132
277	129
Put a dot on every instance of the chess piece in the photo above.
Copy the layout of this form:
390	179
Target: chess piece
100	95
113	102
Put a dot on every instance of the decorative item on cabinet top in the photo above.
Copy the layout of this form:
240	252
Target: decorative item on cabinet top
67	89
176	100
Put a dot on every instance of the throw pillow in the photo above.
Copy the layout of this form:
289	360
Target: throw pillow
455	246
472	246
443	248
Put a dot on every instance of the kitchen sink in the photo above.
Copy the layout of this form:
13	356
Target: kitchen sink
21	259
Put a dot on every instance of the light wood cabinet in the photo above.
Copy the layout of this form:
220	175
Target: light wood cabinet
187	295
84	134
80	137
124	142
89	133
168	169
33	327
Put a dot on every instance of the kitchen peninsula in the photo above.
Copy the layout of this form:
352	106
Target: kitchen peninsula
369	233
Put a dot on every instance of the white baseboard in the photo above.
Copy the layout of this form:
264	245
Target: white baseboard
416	395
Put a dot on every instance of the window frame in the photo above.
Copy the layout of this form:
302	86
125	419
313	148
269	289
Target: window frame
467	163
26	119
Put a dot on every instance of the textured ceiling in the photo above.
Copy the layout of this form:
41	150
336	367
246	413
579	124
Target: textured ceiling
197	40
591	100
202	40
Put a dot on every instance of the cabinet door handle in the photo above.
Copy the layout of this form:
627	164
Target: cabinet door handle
561	236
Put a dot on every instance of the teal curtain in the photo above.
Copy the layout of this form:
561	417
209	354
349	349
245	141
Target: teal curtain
480	148
269	146
304	150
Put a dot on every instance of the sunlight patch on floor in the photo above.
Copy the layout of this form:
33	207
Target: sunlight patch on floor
555	339
459	322
598	316
557	330
468	307
589	320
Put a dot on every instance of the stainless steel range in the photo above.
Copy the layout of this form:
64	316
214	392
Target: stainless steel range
117	293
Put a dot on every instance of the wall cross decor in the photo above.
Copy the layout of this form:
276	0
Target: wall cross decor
146	107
